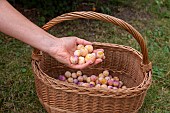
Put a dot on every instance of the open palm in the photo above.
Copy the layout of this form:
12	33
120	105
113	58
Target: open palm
66	48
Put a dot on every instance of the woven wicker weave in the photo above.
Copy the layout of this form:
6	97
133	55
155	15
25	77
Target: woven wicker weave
132	67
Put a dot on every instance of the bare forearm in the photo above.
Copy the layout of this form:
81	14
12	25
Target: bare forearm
16	25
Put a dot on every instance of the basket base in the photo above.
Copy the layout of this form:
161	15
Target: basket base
50	109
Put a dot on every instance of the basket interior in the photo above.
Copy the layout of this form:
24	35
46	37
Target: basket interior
122	61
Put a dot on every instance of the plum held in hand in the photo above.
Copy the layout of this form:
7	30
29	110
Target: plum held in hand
74	59
81	60
91	57
83	52
80	46
89	48
100	54
77	53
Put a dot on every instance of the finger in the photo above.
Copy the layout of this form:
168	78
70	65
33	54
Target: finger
98	61
96	50
82	66
83	42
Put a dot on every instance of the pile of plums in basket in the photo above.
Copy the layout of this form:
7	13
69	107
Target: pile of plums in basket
84	54
102	80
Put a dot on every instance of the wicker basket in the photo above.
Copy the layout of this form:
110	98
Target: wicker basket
132	67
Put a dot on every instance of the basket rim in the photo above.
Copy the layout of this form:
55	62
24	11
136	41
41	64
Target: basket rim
51	82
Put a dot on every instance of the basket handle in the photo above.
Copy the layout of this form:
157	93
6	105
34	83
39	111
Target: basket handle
99	16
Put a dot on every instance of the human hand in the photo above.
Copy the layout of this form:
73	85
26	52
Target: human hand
65	48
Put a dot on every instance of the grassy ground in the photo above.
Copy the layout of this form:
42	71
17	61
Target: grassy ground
16	78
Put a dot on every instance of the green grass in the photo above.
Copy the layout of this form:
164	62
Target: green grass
16	78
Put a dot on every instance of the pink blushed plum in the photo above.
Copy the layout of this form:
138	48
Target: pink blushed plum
75	81
74	59
93	78
110	82
115	83
62	78
80	78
